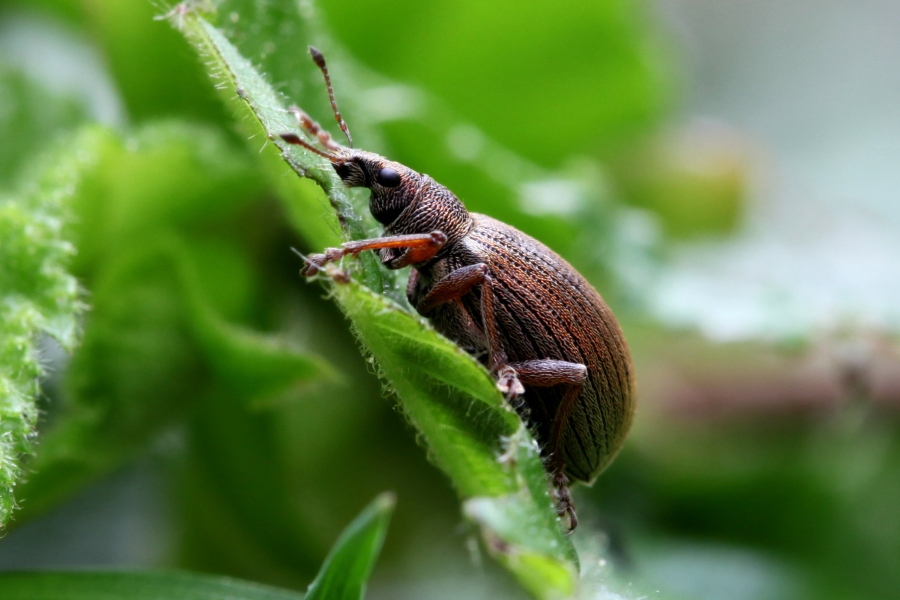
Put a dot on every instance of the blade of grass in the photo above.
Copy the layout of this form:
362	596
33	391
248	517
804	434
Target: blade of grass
346	570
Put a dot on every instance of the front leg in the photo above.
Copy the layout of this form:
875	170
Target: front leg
419	248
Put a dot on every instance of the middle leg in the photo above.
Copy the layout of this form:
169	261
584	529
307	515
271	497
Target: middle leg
457	284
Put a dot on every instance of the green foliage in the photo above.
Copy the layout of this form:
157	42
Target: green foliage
156	84
159	333
37	294
343	575
137	586
473	436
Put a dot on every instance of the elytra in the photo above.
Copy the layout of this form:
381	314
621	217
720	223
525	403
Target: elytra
547	336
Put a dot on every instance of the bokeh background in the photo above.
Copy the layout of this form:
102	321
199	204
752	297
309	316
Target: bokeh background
724	172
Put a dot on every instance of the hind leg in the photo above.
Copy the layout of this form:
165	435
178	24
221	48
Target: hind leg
546	373
512	377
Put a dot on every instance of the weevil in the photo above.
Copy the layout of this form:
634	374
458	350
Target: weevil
553	345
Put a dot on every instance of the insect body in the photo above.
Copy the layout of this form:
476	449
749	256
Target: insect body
542	330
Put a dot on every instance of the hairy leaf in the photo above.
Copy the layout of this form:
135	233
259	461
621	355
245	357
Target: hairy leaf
37	294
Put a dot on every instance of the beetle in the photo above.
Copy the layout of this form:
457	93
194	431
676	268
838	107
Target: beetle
553	345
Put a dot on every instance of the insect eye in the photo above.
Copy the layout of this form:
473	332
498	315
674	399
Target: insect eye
388	177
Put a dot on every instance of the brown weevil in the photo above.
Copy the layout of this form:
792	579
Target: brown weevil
538	326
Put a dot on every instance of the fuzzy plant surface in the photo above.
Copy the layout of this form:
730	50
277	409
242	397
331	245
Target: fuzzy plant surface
38	296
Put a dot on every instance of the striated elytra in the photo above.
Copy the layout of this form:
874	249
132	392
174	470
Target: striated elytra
541	329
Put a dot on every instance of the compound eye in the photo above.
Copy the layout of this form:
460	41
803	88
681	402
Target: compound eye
388	177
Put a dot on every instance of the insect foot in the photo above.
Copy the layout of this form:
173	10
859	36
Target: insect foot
565	507
317	263
508	383
314	264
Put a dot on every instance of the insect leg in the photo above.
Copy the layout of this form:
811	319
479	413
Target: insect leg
506	377
544	373
419	248
455	285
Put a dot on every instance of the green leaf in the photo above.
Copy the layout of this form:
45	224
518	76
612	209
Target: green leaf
256	366
470	432
134	586
37	294
346	569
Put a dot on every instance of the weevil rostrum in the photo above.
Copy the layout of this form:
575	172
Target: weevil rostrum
553	345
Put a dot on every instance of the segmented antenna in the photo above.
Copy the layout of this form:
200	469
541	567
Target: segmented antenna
296	140
320	62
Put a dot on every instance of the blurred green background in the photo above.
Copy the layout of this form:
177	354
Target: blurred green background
724	173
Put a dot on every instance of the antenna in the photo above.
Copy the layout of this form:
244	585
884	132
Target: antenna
320	62
296	140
